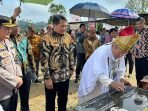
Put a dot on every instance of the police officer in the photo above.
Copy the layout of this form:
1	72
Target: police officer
10	70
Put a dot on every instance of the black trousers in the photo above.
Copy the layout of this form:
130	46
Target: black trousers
61	89
80	64
141	66
24	91
37	62
10	104
129	59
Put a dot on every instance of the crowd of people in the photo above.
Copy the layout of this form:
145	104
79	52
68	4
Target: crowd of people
97	58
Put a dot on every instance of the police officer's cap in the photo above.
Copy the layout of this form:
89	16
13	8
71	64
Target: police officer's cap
6	21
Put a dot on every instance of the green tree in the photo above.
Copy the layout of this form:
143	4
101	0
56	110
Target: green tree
50	20
24	25
99	26
56	9
139	6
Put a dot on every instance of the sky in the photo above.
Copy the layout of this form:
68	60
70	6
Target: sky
37	13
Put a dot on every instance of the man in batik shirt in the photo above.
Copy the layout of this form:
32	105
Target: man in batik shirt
26	57
140	50
35	41
59	64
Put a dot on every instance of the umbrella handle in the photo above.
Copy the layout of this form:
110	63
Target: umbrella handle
20	5
1	2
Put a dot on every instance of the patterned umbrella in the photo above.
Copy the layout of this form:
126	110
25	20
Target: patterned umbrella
124	13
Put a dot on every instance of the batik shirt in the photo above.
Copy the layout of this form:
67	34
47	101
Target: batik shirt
140	50
35	42
25	54
57	57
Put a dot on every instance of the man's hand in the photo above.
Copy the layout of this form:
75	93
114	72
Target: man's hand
49	84
16	13
118	86
19	81
125	82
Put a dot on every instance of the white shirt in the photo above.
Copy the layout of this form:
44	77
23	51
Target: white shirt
100	67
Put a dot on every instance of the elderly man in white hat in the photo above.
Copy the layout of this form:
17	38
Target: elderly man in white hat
105	68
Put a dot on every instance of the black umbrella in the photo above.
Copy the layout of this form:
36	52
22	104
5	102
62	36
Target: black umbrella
90	10
1	2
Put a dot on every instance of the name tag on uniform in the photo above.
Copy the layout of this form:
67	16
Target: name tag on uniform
4	54
5	58
6	61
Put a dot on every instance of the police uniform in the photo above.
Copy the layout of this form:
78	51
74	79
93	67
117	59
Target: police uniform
9	69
